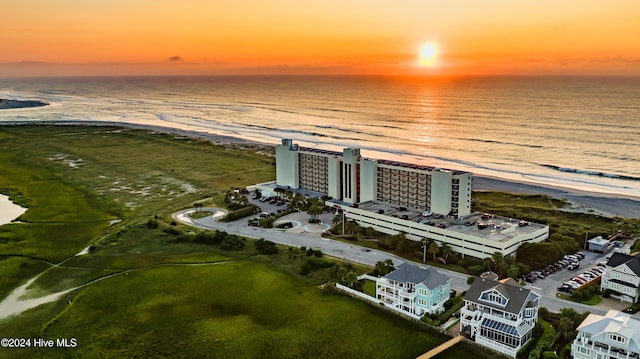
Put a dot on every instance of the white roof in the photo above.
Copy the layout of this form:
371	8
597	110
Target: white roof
613	322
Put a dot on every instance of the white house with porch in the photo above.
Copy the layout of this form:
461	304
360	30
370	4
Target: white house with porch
614	335
499	315
621	277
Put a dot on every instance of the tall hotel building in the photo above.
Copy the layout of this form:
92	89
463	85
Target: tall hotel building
391	197
349	178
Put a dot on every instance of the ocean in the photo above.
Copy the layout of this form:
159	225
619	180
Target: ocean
575	132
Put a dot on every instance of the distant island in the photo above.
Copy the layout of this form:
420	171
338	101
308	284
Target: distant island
8	104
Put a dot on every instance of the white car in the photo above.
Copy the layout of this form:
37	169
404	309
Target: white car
426	214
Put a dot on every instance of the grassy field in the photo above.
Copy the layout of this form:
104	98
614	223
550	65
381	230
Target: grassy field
230	310
162	295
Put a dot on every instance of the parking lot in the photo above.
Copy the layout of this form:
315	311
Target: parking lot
550	284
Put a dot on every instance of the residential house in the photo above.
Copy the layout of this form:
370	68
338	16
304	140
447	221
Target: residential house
499	315
622	277
615	335
413	289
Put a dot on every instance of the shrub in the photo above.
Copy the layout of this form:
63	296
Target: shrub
266	247
232	243
313	264
470	279
172	231
152	224
241	213
207	238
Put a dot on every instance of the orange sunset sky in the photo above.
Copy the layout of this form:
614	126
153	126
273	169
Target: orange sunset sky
143	37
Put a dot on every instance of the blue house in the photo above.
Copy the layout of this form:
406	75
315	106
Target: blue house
413	289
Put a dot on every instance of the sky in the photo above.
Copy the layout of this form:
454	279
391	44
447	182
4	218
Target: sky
149	37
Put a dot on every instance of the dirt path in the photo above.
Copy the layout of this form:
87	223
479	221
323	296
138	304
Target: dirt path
15	303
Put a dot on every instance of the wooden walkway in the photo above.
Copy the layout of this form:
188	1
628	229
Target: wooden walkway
442	347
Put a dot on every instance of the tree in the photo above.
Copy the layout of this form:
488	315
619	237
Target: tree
314	210
500	264
351	227
384	267
565	326
198	205
434	249
278	191
370	232
351	278
397	239
446	250
243	200
297	201
488	263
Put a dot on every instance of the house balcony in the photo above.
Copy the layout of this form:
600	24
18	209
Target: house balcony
605	350
471	315
502	348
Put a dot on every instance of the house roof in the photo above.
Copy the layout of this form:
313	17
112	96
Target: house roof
518	297
598	240
618	259
408	273
634	265
613	322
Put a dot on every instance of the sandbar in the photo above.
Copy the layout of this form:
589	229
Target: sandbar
12	104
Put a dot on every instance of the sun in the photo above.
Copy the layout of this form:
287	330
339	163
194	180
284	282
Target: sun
428	54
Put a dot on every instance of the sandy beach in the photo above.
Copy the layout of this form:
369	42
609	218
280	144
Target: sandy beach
610	205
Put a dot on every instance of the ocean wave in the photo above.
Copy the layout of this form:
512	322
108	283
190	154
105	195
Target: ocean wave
503	143
591	173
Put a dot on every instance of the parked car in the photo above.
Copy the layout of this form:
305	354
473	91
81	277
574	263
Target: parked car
426	214
585	277
573	284
565	288
579	280
595	273
572	266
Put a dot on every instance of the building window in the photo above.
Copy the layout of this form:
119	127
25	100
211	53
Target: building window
583	350
616	338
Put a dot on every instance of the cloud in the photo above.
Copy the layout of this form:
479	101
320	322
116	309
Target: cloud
175	58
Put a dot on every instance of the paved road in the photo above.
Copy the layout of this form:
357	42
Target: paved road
311	239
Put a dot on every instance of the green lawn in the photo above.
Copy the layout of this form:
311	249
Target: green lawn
369	288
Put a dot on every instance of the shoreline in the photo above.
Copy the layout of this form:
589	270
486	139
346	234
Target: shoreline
599	203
